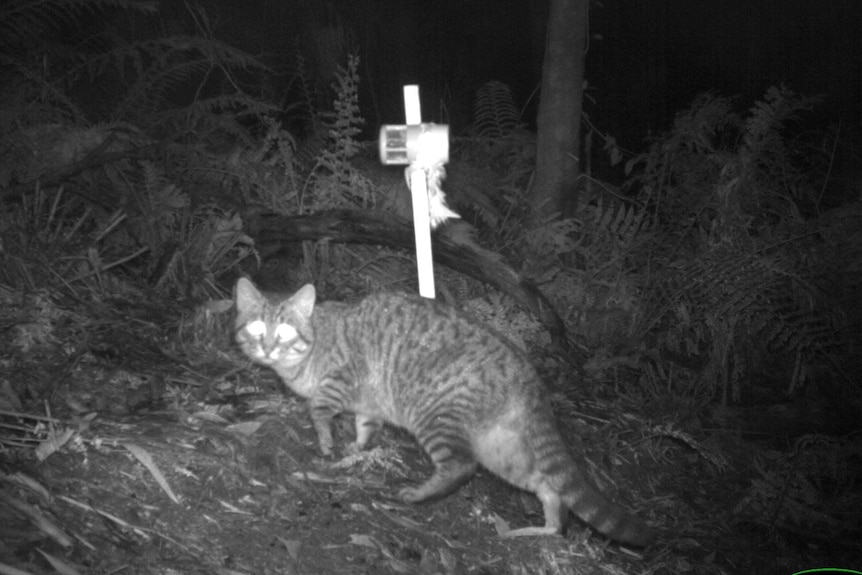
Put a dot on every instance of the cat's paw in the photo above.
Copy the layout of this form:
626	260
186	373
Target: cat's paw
411	495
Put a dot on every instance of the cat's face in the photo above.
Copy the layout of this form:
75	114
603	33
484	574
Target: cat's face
274	330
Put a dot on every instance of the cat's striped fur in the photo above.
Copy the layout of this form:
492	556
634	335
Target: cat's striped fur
467	395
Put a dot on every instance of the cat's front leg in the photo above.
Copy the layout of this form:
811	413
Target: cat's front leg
321	417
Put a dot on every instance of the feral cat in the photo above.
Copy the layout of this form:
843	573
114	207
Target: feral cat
467	395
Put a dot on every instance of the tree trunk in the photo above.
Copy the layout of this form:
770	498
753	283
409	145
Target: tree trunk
554	189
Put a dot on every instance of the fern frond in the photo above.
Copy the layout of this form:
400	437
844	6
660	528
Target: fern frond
810	487
163	66
507	318
210	243
768	116
23	21
29	97
495	113
619	220
741	306
221	114
695	129
334	181
347	123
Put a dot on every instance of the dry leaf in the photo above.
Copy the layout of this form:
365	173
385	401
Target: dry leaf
233	508
501	525
146	459
364	540
60	566
9	570
209	416
292	545
56	440
246	428
448	559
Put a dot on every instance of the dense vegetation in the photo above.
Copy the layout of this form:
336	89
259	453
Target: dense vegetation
723	268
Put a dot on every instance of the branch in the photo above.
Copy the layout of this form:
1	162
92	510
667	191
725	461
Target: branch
382	228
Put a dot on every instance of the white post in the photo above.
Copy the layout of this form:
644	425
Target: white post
419	193
425	147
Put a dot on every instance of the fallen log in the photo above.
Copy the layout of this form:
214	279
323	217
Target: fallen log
386	229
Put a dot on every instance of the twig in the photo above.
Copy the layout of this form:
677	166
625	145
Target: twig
38	519
120	261
29	416
115	220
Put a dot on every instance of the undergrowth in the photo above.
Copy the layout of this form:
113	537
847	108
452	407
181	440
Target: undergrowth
705	270
705	264
733	288
721	261
811	488
713	276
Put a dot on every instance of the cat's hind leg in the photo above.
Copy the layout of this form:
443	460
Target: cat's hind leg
453	466
366	428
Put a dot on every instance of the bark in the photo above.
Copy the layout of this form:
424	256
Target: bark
554	190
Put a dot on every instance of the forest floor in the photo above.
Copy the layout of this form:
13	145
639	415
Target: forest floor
131	443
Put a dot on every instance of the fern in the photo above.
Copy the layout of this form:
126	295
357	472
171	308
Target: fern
507	318
130	216
768	170
42	237
714	173
144	75
163	67
768	117
211	243
678	176
732	309
495	115
46	70
733	289
348	122
265	172
25	22
588	267
813	488
334	181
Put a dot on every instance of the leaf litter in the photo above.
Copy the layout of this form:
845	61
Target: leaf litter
135	439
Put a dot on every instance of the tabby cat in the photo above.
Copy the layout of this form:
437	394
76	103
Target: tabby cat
467	395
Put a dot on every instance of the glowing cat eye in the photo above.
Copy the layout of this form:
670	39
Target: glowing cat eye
256	328
285	332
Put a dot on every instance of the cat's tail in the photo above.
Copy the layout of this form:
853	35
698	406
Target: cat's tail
566	487
606	517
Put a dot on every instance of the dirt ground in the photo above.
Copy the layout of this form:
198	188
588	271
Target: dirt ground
130	444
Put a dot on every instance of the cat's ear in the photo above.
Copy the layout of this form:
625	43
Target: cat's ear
247	295
303	300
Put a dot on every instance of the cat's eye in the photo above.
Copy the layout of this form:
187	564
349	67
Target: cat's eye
285	332
256	328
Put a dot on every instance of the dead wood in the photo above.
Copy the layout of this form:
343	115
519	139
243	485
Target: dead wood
382	228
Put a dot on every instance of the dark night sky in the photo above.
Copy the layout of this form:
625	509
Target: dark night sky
647	60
